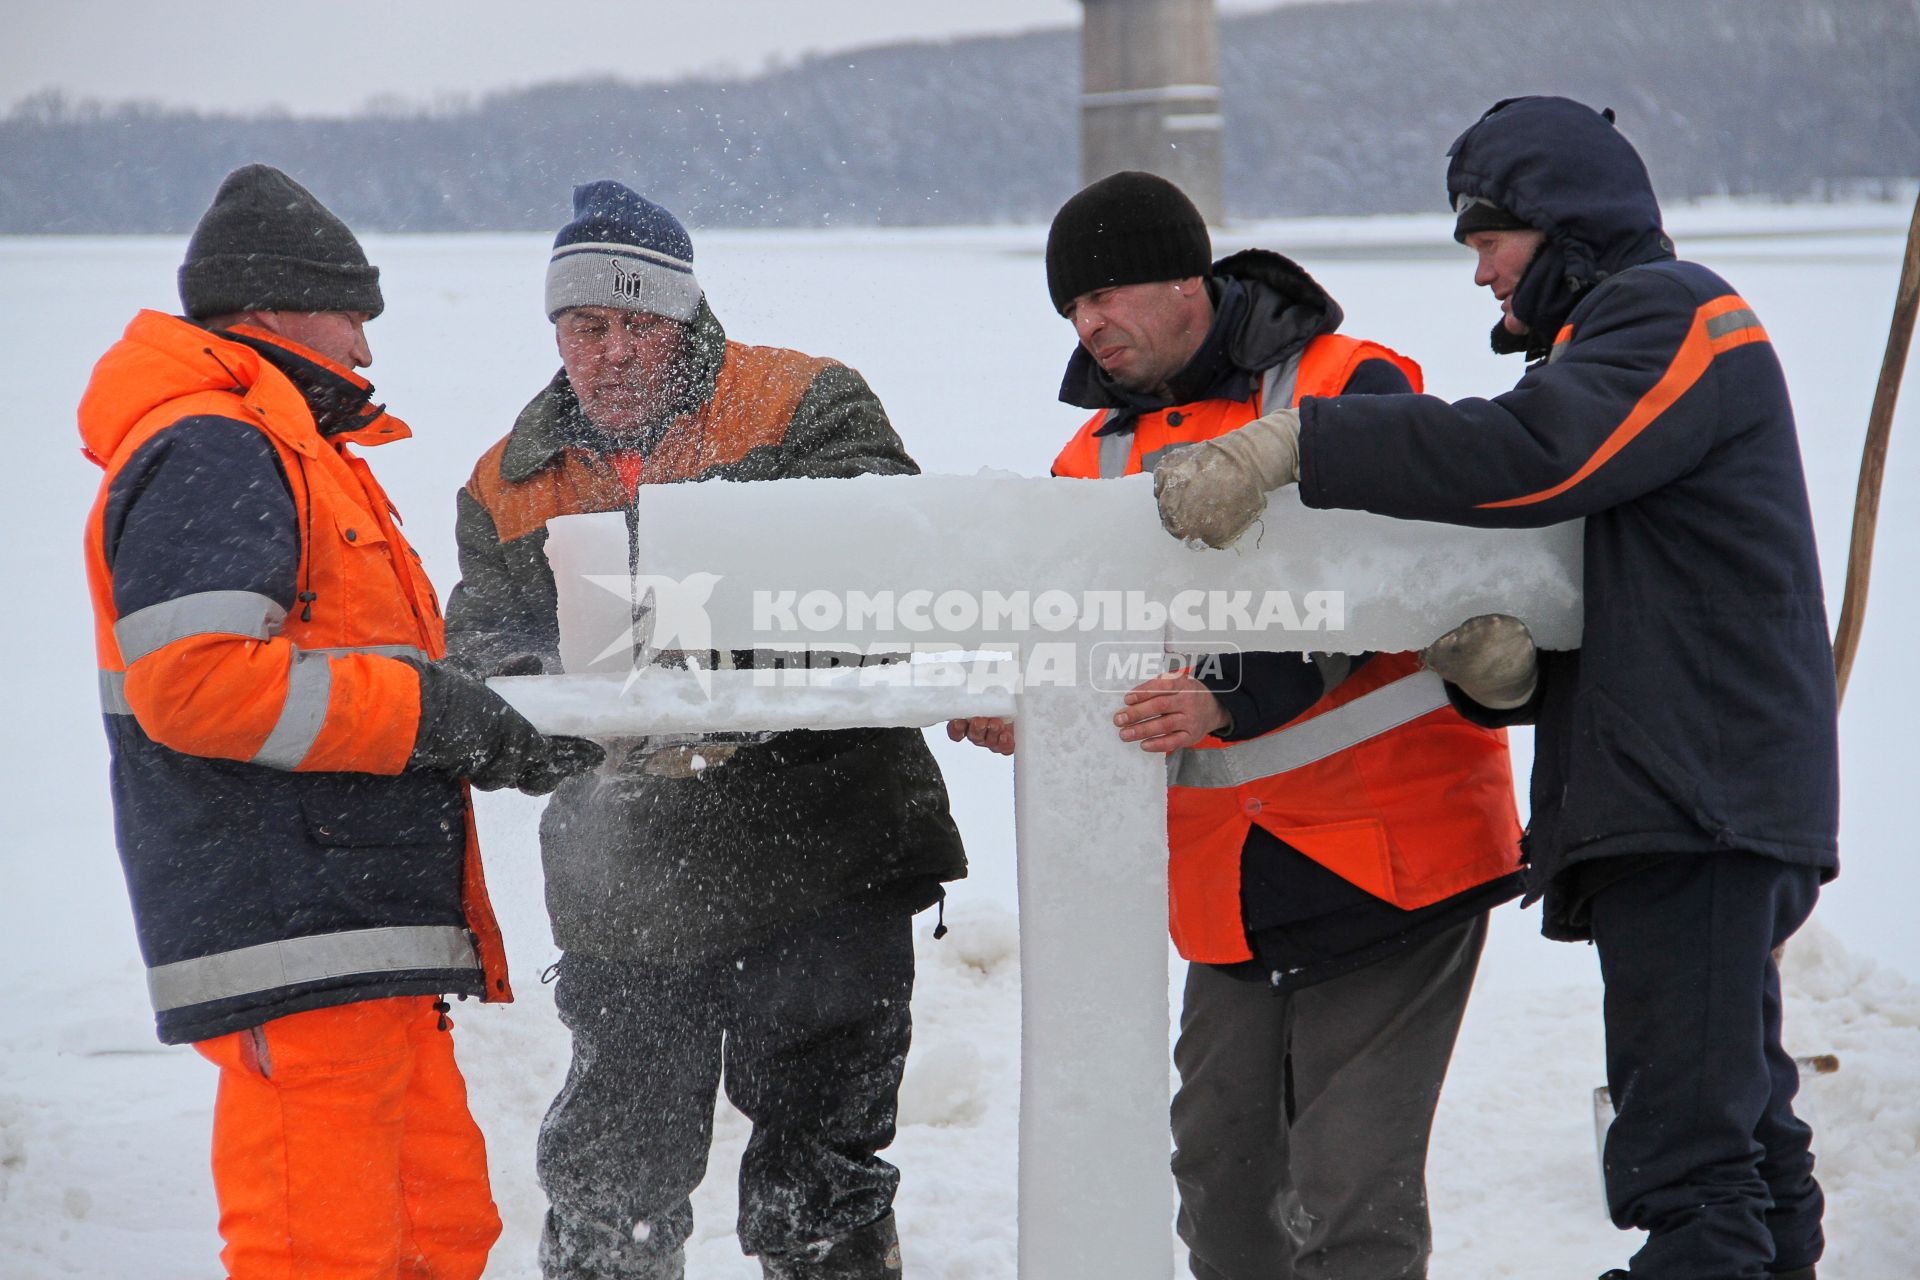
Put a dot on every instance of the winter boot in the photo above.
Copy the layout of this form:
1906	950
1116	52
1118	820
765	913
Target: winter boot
871	1253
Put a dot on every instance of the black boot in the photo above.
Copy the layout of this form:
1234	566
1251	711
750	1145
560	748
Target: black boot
1803	1273
871	1253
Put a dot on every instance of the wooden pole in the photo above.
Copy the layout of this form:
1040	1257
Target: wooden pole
1873	459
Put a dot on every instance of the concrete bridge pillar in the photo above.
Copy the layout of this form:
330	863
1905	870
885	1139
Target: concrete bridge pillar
1150	94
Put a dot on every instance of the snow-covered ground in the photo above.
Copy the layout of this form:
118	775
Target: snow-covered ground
103	1132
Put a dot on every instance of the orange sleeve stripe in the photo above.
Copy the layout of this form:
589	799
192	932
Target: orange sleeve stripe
1696	352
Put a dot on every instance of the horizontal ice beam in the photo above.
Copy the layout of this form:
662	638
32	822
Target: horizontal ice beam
667	700
988	560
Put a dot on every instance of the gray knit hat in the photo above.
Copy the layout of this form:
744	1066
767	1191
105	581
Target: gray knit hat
266	244
622	251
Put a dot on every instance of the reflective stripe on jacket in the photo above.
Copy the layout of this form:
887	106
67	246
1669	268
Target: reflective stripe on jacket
1380	781
251	592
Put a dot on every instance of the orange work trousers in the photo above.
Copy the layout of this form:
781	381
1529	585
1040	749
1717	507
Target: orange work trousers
343	1148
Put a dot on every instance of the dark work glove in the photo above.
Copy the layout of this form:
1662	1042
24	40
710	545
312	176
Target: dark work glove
520	664
469	731
514	664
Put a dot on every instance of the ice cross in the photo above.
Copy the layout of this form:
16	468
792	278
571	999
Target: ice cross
1079	579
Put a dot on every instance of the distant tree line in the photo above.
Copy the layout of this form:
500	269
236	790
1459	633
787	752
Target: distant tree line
1331	108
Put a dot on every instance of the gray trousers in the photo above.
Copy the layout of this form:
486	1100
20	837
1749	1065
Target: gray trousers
1300	1127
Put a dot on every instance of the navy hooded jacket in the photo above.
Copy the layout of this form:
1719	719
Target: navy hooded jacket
1699	713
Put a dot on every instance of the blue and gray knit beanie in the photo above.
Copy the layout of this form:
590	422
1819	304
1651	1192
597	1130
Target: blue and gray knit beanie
622	251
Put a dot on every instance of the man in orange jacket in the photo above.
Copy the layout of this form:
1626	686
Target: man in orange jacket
1332	898
290	761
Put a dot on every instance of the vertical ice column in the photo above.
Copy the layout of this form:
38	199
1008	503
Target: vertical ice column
1091	815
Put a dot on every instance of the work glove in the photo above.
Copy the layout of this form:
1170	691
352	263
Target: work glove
1491	658
469	731
684	755
1213	492
518	664
482	668
687	759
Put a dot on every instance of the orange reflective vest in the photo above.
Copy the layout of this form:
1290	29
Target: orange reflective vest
279	853
1380	781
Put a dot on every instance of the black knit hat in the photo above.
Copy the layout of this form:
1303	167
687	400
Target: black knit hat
1477	214
1127	228
265	244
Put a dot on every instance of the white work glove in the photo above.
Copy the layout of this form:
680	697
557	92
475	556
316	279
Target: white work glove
1491	658
1213	492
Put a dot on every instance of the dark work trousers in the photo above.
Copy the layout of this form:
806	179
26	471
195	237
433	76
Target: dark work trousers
1300	1128
1706	1153
809	1027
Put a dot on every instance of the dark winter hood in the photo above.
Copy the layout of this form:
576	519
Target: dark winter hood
1265	307
1561	167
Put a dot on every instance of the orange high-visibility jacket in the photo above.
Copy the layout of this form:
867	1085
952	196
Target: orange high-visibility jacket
252	593
1380	781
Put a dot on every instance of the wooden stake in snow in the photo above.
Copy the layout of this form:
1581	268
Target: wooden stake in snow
1873	459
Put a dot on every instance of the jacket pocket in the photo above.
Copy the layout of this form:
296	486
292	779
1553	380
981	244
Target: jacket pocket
365	811
358	578
1357	851
384	851
1629	778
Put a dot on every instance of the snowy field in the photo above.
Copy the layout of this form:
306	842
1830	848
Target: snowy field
103	1132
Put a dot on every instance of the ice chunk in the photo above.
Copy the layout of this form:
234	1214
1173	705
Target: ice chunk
982	561
667	700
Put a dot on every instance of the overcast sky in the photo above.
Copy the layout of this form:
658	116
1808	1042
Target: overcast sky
331	57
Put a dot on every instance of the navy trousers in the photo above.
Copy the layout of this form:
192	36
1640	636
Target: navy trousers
1706	1154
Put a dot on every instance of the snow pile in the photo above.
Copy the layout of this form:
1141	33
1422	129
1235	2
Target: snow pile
1515	1170
1866	1116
